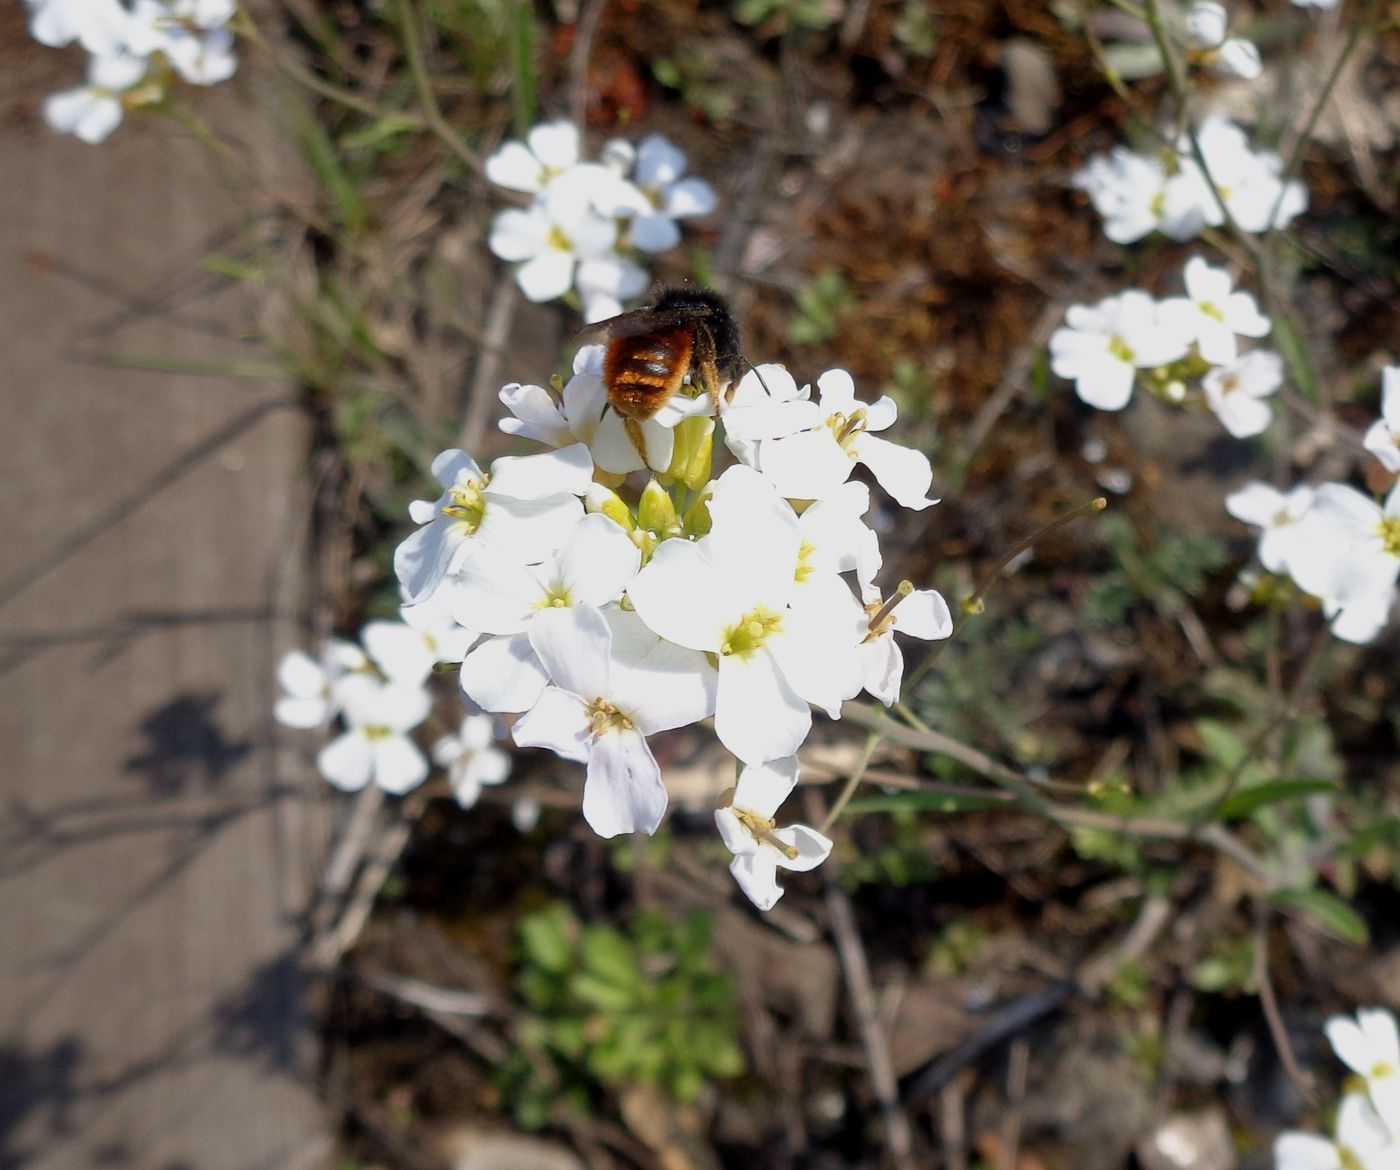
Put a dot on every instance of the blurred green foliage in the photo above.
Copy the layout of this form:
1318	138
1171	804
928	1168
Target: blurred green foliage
820	306
1165	567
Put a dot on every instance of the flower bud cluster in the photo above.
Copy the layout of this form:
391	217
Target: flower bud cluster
1179	347
591	225
1366	1134
132	54
1170	192
596	613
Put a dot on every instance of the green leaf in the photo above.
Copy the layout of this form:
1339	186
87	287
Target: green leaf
927	802
1295	356
545	939
1328	910
607	955
1242	803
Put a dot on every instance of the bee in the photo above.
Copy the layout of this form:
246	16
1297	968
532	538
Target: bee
685	331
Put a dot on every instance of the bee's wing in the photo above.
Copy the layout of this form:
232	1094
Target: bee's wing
640	321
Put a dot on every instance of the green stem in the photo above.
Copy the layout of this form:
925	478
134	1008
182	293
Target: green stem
872	741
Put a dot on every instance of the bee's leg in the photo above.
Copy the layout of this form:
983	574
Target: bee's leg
706	363
634	432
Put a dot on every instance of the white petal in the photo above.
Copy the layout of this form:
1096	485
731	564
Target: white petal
575	647
301	675
903	472
757	874
528	530
812	848
515	167
736	838
598	562
559	722
754	536
623	792
669	686
659	161
519	235
495	593
398	764
884	668
1255	503
503	674
924	614
612	447
654	233
1305	1151
758	716
682	596
422	558
301	713
1350	1043
762	788
400	652
547	276
1108	387
555	144
535	415
347	761
690	197
531	477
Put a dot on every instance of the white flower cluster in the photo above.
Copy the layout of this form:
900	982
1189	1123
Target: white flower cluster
378	690
1211	47
1367	1128
132	52
598	616
591	224
1138	194
1104	348
1336	544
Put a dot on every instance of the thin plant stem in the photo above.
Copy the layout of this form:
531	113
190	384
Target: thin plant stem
872	741
413	54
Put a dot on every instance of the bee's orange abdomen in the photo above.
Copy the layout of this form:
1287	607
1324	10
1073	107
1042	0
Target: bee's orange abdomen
642	372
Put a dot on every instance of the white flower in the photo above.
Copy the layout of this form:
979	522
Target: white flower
729	594
560	229
312	688
1369	1045
1206	26
1316	3
93	111
471	760
1212	313
664	196
1126	189
766	404
811	464
613	685
1234	391
189	34
605	282
1363	1143
406	651
919	613
549	150
1101	347
375	748
526	507
100	26
503	597
1250	183
1280	516
747	826
1383	437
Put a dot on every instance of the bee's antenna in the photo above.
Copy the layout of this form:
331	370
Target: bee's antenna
757	375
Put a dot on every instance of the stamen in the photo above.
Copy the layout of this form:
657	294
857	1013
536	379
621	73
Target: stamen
881	619
761	829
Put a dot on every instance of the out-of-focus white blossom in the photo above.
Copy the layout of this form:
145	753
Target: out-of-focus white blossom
93	111
471	759
1279	515
1207	28
1383	436
1101	347
1235	392
375	746
1212	313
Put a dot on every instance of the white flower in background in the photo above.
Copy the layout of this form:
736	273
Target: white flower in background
504	597
811	464
1383	436
100	26
1369	1045
1126	189
729	594
375	747
604	283
471	759
190	34
552	236
1280	516
1250	184
1212	313
549	150
1206	27
1362	1143
919	613
1315	3
312	688
93	111
662	195
1101	347
525	813
613	684
1234	392
748	828
1353	559
525	506
406	651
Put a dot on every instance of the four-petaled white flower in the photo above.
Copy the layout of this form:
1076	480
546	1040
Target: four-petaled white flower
550	149
748	828
731	594
1101	347
1128	190
919	613
525	507
406	651
1383	437
190	34
375	746
1234	392
471	760
1212	313
100	26
312	688
552	236
1206	28
92	111
503	598
812	463
613	683
662	195
1369	1045
1281	516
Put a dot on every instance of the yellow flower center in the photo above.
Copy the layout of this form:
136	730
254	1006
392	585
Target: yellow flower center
804	562
1389	530
751	632
466	504
555	597
604	717
761	830
558	240
377	731
1348	1158
848	428
1212	310
1121	349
